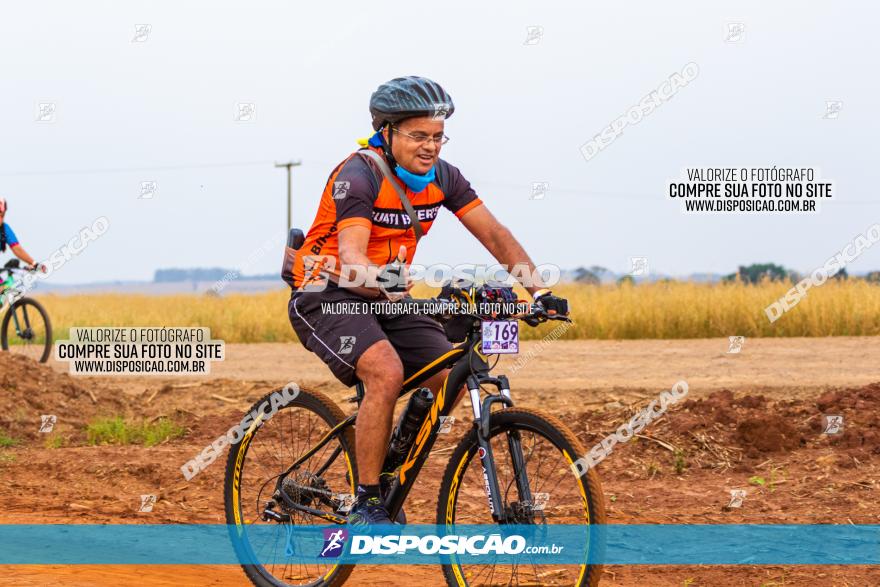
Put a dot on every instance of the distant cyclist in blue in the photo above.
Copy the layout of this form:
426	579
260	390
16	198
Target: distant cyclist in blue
8	240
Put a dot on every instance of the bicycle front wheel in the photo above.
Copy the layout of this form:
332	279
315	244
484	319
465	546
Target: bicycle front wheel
26	330
555	495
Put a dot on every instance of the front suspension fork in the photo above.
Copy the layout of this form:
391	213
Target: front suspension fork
482	422
27	325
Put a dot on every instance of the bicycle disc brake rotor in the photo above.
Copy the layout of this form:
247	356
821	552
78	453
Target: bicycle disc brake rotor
525	513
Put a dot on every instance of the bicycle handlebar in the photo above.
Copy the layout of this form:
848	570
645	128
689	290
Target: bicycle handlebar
19	269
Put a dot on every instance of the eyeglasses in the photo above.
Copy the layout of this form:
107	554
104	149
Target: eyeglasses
422	138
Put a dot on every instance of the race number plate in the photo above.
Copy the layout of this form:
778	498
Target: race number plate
500	337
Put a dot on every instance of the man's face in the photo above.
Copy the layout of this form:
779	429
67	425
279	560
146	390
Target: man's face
415	156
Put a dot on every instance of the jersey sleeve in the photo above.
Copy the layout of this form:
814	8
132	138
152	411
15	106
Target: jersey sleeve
354	190
11	239
459	196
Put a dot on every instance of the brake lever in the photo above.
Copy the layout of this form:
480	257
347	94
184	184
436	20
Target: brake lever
543	316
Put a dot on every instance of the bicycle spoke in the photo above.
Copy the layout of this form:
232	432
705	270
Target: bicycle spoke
24	314
26	330
275	446
546	473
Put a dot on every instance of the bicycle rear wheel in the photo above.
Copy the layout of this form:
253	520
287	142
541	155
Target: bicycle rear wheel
558	496
325	482
26	330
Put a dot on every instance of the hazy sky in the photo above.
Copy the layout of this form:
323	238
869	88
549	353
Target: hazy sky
161	109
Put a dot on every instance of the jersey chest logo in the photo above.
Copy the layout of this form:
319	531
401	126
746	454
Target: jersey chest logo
393	218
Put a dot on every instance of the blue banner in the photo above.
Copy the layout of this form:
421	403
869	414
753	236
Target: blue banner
814	544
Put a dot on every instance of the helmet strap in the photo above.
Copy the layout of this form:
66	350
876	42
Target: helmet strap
386	148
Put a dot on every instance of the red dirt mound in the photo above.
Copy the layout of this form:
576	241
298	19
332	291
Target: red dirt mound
860	408
722	429
766	434
29	389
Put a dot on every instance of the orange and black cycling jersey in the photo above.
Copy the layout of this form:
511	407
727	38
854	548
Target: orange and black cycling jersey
357	193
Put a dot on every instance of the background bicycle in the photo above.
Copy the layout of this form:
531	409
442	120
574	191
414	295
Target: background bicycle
26	328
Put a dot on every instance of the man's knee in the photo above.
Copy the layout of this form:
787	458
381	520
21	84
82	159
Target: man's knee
381	370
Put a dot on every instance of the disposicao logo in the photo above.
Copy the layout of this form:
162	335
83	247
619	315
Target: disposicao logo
334	540
431	544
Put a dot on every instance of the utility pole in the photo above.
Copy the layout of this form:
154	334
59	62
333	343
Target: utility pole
288	165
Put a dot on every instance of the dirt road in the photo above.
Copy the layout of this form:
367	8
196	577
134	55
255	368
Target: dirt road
756	414
595	371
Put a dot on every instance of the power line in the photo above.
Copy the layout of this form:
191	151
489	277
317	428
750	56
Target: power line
130	169
477	180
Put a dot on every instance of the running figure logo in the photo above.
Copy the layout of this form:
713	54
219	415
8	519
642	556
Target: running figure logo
340	189
539	190
147	503
47	423
148	190
346	344
441	111
533	35
334	540
639	266
736	498
833	424
736	344
736	32
832	109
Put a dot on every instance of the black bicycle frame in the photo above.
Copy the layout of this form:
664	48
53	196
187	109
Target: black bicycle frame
468	368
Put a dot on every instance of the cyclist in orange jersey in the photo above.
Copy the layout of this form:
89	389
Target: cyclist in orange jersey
362	222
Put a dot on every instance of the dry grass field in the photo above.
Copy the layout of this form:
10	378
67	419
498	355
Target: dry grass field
673	310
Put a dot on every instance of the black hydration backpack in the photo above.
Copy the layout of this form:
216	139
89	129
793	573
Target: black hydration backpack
2	238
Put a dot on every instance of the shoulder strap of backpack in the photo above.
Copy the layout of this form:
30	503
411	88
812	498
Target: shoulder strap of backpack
407	205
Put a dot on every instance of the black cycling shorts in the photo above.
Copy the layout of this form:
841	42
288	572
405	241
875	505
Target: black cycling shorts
341	338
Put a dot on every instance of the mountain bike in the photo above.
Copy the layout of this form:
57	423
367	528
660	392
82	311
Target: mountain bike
514	466
26	329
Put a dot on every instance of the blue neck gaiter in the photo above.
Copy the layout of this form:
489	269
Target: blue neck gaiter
417	183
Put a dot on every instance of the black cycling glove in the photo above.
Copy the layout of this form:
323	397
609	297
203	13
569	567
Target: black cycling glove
553	304
391	278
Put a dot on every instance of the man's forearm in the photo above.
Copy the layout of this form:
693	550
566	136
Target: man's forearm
355	265
22	254
507	251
